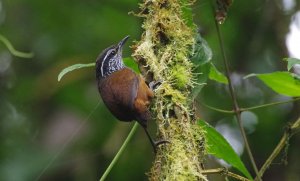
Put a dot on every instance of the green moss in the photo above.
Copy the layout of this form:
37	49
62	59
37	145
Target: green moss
165	49
178	73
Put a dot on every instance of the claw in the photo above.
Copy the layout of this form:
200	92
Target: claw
155	84
155	144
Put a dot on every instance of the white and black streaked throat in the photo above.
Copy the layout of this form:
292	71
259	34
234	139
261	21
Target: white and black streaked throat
110	60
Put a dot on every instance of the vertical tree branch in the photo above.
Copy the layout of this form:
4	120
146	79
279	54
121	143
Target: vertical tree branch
236	107
163	54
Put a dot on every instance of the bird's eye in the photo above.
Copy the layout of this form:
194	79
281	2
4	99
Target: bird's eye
113	52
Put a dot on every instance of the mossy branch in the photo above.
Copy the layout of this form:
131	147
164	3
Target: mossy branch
163	53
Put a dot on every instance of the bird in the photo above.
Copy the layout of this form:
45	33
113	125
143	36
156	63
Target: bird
124	92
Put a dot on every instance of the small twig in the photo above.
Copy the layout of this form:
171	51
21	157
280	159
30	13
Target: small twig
282	143
235	103
217	109
224	171
270	104
121	150
250	108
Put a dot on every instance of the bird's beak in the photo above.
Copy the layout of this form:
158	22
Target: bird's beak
122	42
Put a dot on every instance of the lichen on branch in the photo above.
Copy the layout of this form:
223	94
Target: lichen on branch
163	53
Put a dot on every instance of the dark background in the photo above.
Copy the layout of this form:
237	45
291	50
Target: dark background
39	115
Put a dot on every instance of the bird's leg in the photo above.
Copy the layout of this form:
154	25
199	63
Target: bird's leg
155	84
154	144
150	139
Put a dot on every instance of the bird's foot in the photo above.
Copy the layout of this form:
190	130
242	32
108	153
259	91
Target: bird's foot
157	143
155	84
154	144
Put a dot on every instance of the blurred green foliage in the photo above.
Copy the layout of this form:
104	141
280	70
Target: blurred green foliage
220	148
39	115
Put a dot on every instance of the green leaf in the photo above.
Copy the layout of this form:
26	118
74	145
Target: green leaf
291	62
220	148
201	78
284	83
129	62
200	56
214	74
201	52
73	67
187	16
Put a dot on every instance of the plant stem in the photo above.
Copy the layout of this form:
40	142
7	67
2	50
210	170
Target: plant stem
237	110
251	108
269	104
282	143
218	109
224	171
121	150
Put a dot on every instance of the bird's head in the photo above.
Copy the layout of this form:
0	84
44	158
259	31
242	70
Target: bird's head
110	60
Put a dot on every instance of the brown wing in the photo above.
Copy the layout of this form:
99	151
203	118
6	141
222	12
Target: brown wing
141	103
119	91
